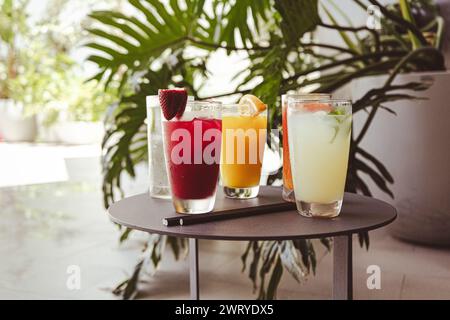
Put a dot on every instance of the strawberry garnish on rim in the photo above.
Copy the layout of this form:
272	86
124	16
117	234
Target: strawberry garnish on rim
173	102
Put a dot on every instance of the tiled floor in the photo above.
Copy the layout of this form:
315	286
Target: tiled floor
47	227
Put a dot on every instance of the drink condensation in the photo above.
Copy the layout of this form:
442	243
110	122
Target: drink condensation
158	178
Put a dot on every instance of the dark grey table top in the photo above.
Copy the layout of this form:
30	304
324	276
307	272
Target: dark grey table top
359	213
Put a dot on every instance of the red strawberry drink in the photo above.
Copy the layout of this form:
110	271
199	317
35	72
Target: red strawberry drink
192	142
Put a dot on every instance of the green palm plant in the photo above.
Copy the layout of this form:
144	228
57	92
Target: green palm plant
13	28
149	48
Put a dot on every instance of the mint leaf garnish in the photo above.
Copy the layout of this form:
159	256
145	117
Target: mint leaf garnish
340	120
337	112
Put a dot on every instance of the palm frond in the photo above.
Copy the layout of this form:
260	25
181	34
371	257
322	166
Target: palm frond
242	18
298	17
128	43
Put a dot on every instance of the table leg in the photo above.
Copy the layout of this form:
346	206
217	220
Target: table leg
342	268
193	269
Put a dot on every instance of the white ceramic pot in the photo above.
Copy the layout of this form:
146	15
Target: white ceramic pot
415	148
14	126
76	132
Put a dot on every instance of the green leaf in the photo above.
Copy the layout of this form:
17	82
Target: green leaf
302	246
253	271
407	15
364	240
380	166
241	17
350	44
269	252
111	20
156	249
326	243
274	280
101	61
112	53
120	41
376	177
245	255
298	17
173	243
135	42
312	256
128	289
291	260
133	21
124	236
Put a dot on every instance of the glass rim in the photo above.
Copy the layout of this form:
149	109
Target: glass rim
208	110
328	101
206	105
204	108
238	108
334	104
295	95
203	102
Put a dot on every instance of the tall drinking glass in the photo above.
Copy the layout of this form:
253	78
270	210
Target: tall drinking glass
243	141
192	151
288	186
319	144
158	181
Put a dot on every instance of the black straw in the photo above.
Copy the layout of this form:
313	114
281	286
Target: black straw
190	219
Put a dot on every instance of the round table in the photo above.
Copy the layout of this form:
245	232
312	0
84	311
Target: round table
359	214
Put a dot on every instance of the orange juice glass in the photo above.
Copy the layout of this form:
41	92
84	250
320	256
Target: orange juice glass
243	141
288	186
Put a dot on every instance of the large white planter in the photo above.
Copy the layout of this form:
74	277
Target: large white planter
415	147
14	126
74	132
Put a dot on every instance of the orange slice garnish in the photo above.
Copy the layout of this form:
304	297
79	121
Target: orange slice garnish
257	105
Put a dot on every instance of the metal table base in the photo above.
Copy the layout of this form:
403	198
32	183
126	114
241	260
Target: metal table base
342	268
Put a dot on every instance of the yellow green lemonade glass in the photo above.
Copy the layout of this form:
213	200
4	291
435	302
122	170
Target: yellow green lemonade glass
319	145
243	141
288	187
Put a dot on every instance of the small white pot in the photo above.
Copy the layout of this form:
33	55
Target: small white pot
415	148
14	126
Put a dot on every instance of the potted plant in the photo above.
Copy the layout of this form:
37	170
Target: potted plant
44	86
419	165
76	117
277	40
15	123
